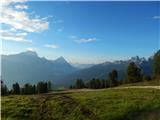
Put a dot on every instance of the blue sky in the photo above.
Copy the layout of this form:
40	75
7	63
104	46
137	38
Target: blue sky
88	32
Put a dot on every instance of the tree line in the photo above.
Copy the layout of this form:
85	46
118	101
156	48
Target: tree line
133	75
41	87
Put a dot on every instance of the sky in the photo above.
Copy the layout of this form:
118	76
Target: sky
81	32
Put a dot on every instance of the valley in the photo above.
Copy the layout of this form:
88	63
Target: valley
28	67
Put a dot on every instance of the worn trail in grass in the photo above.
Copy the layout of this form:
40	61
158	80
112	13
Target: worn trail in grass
65	105
109	104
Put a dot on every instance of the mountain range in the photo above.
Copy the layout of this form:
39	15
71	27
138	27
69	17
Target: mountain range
28	67
100	71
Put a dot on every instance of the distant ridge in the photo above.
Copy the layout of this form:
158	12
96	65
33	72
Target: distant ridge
28	67
60	60
101	71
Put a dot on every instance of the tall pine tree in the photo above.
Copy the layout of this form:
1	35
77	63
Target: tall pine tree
16	88
156	64
133	73
113	78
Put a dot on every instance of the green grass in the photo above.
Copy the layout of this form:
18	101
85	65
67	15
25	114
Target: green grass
121	104
145	83
108	104
17	107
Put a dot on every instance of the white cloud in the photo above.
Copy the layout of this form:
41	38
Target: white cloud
31	49
20	20
14	16
10	35
156	17
85	40
82	40
7	2
51	46
21	7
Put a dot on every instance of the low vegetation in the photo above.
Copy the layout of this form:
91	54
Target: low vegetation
104	104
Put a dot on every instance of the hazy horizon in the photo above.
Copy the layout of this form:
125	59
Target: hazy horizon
77	62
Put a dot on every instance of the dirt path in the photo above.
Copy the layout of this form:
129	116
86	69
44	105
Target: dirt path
152	87
65	100
84	111
43	111
68	103
90	90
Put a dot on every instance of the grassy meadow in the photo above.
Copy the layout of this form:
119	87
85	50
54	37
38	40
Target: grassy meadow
104	104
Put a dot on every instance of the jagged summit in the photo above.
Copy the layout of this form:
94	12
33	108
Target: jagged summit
137	59
27	67
60	60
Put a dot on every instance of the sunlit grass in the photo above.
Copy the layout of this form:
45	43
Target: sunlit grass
107	104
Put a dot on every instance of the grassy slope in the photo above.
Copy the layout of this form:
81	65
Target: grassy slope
109	104
145	83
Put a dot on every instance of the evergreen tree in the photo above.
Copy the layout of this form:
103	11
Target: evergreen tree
70	87
87	85
45	87
146	78
92	84
49	84
133	73
27	89
156	64
42	87
113	78
80	84
97	84
4	89
34	89
16	88
107	83
103	84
